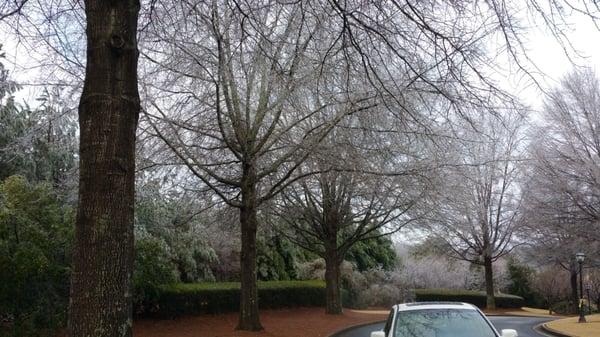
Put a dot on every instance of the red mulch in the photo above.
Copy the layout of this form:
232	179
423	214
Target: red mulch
297	322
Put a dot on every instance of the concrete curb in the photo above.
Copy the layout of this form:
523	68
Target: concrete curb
551	331
517	315
335	334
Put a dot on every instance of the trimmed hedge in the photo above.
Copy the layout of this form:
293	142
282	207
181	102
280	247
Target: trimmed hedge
477	298
214	298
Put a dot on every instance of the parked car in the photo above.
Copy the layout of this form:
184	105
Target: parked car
439	319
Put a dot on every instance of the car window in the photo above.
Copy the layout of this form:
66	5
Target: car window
441	323
388	323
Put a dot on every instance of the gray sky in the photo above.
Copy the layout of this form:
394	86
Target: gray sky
544	51
549	56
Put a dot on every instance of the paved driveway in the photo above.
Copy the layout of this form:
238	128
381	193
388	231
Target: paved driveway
523	325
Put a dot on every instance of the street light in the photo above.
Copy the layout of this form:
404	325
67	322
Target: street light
580	257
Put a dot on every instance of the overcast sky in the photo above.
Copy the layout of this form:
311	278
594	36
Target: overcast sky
542	48
549	56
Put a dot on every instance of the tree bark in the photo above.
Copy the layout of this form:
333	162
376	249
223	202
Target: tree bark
249	317
333	299
100	303
489	283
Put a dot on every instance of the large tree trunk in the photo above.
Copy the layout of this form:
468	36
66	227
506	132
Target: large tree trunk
249	318
574	292
100	302
489	283
333	300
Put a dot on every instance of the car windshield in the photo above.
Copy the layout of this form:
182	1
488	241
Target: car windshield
441	323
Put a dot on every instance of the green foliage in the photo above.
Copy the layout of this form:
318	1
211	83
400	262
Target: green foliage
372	253
213	298
477	298
564	308
38	144
153	267
35	244
520	277
7	87
172	222
276	257
14	123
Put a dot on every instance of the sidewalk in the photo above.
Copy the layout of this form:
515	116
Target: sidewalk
570	327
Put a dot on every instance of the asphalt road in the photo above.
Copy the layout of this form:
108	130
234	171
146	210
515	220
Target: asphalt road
523	325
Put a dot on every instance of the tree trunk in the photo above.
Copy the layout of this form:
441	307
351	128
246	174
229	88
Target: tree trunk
100	303
489	283
249	318
333	299
574	292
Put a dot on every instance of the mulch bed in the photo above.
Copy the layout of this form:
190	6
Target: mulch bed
296	322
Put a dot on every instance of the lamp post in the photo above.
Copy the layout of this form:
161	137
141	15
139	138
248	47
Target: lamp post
580	257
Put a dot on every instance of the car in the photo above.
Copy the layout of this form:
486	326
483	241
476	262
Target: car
439	319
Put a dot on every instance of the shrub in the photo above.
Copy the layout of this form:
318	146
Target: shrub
520	283
552	284
35	247
381	295
563	308
171	221
477	298
373	253
153	266
374	288
213	298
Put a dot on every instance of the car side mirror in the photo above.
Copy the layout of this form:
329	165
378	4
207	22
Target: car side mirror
509	333
377	334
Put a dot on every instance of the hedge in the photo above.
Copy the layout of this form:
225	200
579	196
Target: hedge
213	298
477	298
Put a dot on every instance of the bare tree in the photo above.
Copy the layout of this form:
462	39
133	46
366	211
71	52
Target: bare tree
333	210
447	58
11	7
549	238
253	114
368	182
100	303
563	188
566	155
552	285
547	231
479	201
594	284
235	86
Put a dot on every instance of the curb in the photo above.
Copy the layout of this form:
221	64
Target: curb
517	315
551	331
336	333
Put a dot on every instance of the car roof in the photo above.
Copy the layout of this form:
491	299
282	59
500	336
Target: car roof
435	305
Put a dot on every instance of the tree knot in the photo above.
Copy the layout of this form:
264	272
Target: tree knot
117	41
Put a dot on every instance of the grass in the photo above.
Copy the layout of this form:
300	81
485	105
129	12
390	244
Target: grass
524	311
570	326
